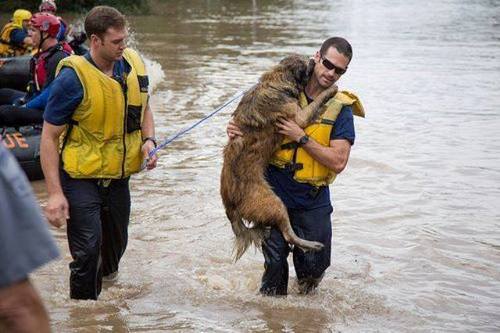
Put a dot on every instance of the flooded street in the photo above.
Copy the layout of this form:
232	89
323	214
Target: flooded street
416	226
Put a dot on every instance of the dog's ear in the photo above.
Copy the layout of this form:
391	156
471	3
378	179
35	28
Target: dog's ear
310	69
296	66
301	72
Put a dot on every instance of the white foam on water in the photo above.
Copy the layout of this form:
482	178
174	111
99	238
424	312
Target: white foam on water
155	73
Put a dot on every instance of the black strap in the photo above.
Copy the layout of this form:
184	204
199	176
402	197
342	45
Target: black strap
68	132
143	83
290	145
328	121
294	166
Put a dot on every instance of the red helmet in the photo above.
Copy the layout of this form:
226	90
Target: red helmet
46	22
47	6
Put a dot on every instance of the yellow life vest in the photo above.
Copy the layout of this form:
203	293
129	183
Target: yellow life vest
7	48
104	139
292	156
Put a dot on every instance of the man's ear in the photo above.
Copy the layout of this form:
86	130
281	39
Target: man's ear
94	39
317	57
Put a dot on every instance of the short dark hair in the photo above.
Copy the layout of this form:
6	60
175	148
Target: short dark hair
101	18
341	44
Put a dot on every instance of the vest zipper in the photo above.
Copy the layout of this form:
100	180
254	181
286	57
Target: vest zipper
124	89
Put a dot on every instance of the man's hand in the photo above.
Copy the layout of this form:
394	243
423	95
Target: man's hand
232	130
57	210
147	147
290	129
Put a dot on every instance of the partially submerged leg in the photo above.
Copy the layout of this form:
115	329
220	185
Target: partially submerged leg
310	266
275	277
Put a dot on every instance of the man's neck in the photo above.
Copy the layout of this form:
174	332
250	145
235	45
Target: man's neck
104	65
313	88
47	44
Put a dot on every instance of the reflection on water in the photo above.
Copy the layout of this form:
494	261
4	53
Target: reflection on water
416	246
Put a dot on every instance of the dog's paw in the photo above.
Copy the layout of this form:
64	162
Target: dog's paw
316	246
331	91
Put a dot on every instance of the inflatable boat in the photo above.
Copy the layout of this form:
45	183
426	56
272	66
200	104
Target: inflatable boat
24	144
15	71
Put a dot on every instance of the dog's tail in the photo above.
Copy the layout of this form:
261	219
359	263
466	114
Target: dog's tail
245	236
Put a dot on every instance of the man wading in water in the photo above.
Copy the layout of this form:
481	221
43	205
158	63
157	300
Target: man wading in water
105	140
302	169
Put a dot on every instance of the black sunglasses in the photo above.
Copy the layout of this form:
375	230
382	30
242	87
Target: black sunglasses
327	63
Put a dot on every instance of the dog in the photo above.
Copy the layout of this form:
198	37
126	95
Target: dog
251	205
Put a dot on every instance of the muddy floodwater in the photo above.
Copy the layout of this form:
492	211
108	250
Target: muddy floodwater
416	226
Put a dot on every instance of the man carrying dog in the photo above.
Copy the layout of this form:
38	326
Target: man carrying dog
300	172
99	108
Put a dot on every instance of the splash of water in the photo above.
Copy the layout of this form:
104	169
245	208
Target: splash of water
155	73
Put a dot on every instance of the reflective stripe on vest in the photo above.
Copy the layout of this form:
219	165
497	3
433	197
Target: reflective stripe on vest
100	142
296	158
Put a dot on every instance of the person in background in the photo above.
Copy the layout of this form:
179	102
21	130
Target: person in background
21	108
14	39
49	6
25	245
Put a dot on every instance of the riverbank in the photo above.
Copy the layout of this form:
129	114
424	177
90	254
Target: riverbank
79	6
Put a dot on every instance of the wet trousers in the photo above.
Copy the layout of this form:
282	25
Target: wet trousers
97	231
314	225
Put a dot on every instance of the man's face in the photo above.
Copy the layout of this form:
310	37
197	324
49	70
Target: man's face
35	35
26	24
329	66
112	44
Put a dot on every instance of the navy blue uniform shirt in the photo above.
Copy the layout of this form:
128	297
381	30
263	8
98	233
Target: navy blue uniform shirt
303	196
66	93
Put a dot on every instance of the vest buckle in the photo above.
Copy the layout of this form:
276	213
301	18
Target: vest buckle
294	166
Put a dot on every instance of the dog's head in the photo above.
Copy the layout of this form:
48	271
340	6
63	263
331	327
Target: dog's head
296	69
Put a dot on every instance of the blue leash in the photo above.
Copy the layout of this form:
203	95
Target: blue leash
187	129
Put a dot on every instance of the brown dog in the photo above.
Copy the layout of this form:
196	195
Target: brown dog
250	203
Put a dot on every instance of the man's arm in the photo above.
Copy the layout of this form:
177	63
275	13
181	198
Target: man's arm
57	210
40	101
232	130
148	130
334	157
